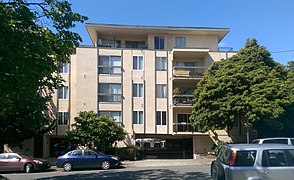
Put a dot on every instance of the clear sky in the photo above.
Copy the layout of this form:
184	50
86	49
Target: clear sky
271	22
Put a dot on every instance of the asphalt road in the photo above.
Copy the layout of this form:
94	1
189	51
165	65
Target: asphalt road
199	172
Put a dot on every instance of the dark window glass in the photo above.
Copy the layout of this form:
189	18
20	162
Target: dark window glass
89	153
163	118
76	153
225	156
245	158
268	141
158	118
158	42
281	141
255	142
274	158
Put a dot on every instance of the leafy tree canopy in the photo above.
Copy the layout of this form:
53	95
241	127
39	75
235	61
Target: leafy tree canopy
248	87
95	131
34	37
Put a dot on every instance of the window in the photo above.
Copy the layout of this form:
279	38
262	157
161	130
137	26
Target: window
109	65
63	67
161	63
158	42
63	118
135	44
161	91
160	117
109	92
63	92
180	42
13	156
138	117
138	62
274	158
138	90
245	158
113	114
89	153
76	153
183	118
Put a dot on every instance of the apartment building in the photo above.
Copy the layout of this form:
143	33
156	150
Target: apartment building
144	77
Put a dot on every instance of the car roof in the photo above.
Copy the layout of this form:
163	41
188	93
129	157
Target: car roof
10	153
274	138
257	146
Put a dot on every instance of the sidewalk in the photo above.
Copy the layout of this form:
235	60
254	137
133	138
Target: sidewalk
167	162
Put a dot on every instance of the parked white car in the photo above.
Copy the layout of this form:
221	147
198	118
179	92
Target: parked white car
275	140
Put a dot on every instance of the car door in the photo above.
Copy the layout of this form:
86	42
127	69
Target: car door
276	165
14	162
76	158
90	159
3	162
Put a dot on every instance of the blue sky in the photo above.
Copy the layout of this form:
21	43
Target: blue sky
271	22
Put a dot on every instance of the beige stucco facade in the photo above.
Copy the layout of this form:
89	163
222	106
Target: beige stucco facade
161	65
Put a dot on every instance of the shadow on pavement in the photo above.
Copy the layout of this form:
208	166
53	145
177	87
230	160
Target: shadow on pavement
141	174
21	172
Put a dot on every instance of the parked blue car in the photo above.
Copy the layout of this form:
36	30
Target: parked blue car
86	158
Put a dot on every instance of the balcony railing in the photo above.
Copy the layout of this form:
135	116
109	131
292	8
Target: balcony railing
183	100
118	44
188	71
184	127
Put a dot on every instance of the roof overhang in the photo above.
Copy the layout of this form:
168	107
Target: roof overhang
139	30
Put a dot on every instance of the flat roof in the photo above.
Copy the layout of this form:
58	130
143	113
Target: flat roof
92	28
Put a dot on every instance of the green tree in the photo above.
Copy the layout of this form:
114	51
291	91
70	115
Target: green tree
95	131
34	38
249	87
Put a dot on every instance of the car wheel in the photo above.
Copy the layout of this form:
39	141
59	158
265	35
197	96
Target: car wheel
105	165
67	166
217	171
29	168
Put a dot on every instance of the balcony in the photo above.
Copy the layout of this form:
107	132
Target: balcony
188	71
184	127
117	44
183	100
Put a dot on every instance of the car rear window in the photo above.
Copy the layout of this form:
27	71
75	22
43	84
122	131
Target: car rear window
245	158
255	141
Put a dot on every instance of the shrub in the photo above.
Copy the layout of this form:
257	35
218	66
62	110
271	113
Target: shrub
125	153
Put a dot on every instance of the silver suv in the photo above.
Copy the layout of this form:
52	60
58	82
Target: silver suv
254	161
276	140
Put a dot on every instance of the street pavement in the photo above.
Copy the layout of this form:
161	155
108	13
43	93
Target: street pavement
142	169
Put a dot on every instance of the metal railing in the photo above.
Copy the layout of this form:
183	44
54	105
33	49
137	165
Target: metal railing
183	99
188	71
184	127
117	44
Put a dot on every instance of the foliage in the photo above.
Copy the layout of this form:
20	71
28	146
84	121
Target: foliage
216	147
248	87
125	153
34	37
95	131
